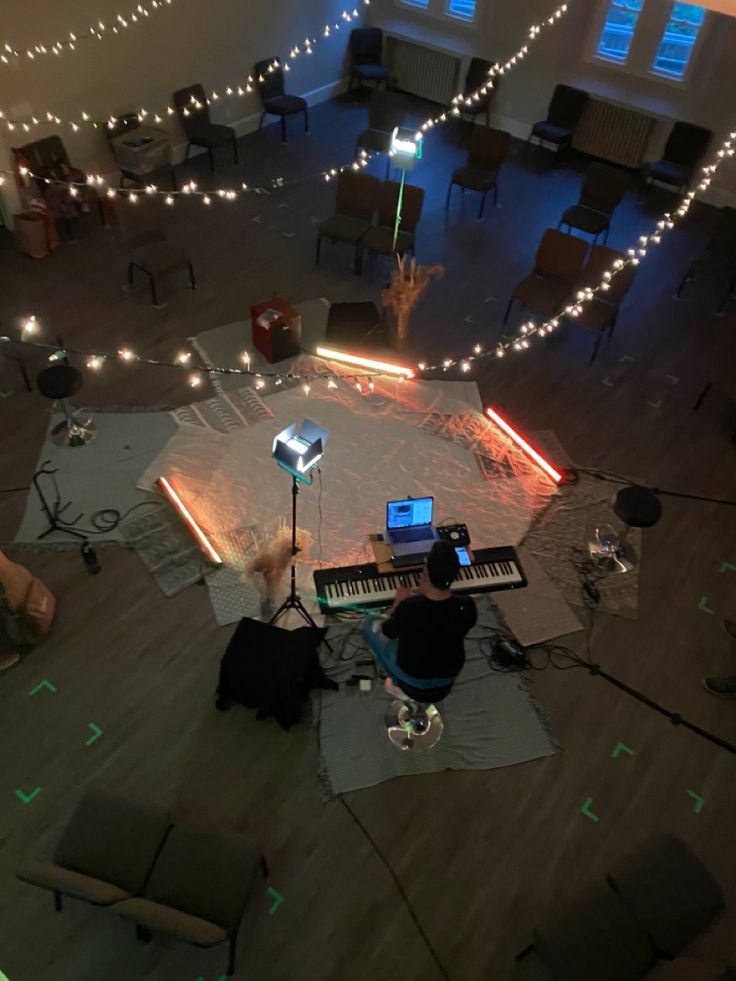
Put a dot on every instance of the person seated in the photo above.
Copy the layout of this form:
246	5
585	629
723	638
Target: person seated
419	644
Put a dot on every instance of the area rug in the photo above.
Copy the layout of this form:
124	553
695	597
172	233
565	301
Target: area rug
100	475
395	441
491	720
167	549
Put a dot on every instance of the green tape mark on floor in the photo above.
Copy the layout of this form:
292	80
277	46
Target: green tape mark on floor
698	801
655	405
622	747
43	684
27	798
277	898
586	811
97	733
727	567
607	381
703	605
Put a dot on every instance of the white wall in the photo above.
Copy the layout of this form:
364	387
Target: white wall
562	54
214	43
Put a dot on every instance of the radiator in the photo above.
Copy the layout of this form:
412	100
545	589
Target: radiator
424	72
613	133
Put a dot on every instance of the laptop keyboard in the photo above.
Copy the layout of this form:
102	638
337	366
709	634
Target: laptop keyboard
403	535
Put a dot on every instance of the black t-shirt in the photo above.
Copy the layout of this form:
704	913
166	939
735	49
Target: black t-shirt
430	634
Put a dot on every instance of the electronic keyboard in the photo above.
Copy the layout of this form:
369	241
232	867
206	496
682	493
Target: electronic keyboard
355	587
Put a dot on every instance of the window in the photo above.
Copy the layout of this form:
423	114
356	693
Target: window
416	3
678	40
465	9
618	29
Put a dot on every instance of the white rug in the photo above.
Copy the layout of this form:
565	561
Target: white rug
416	438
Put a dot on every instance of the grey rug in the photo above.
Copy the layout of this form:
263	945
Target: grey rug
100	475
491	720
166	547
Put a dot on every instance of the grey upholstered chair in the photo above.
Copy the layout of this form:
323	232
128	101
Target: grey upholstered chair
488	150
192	107
563	116
557	266
603	188
149	248
356	198
106	851
379	240
366	49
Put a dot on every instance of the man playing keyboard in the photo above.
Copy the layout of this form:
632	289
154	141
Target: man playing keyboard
419	644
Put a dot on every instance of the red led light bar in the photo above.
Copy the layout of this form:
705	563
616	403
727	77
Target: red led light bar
533	454
187	516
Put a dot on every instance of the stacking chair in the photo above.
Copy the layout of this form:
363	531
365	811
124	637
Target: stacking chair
603	188
386	111
269	77
719	256
106	852
601	313
149	249
683	151
488	150
127	123
379	240
356	199
563	116
366	48
476	76
192	107
557	267
199	888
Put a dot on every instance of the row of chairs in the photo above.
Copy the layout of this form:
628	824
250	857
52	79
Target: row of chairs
365	216
561	271
718	259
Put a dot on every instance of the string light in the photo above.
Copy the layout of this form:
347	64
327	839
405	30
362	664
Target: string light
11	55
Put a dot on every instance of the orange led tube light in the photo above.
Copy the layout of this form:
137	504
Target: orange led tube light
355	359
187	516
553	474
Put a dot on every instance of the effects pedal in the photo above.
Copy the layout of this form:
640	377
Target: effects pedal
454	534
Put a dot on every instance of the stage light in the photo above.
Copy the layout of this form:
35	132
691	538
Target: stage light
187	516
382	366
553	474
298	449
405	147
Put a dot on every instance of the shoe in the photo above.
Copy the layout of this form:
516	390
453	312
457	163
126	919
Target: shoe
720	686
8	659
730	627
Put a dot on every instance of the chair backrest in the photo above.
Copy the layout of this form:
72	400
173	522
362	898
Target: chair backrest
366	45
604	186
205	873
566	106
723	238
686	144
357	194
411	206
272	73
477	74
192	107
386	110
488	148
144	222
122	124
599	261
45	154
560	256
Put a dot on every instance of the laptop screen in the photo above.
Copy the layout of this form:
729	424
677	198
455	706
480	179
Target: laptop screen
408	514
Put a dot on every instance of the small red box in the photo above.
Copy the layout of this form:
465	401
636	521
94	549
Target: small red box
277	329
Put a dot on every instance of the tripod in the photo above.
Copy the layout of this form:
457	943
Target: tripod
293	600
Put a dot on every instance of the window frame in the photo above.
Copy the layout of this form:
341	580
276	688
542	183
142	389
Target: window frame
439	10
459	18
641	57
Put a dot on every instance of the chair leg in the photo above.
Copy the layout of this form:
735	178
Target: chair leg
154	294
595	349
524	953
319	250
235	149
188	150
508	310
605	235
57	901
26	379
687	278
726	297
174	184
231	958
211	157
192	278
701	398
482	205
306	119
143	934
264	867
260	121
447	199
283	129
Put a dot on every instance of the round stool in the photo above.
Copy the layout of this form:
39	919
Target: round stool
58	383
637	507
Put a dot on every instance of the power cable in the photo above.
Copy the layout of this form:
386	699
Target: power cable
615	478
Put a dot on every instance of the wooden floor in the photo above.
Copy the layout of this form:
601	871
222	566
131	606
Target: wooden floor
483	856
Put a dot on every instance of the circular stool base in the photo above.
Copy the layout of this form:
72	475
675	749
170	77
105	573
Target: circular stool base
411	728
80	431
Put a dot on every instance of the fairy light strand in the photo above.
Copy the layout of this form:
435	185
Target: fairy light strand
632	257
11	54
157	116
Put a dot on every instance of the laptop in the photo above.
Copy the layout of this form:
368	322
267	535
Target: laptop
409	526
